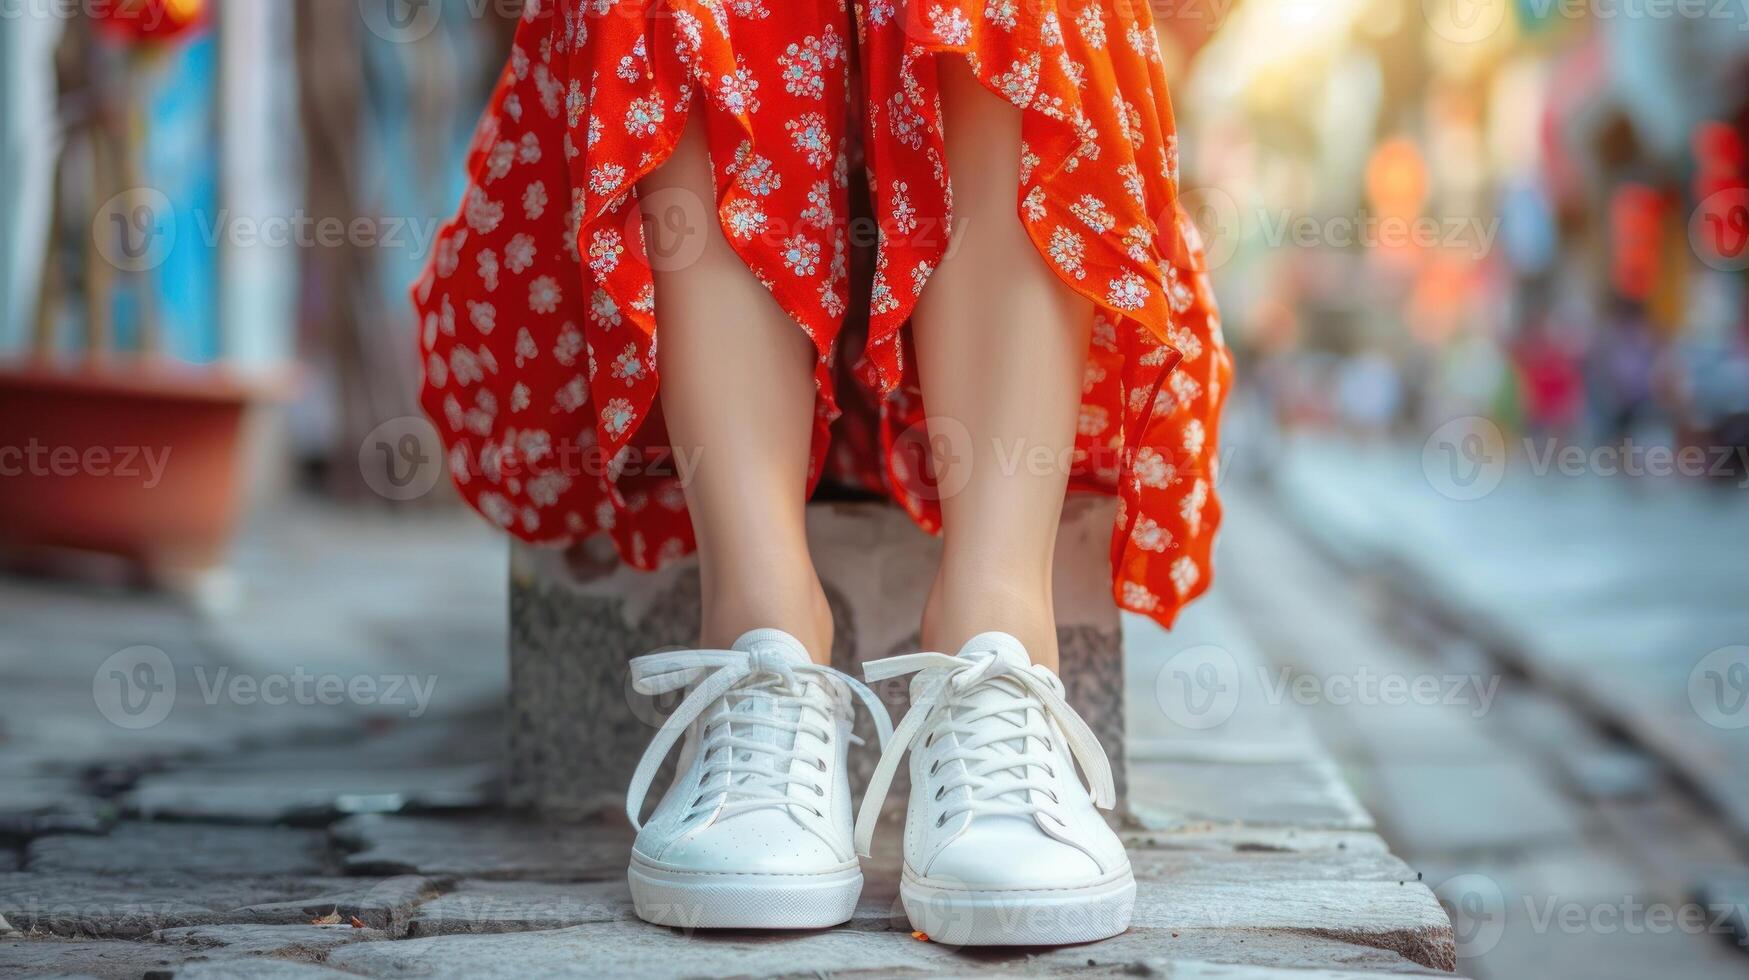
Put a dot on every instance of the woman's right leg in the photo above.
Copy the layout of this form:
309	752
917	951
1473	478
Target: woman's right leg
737	390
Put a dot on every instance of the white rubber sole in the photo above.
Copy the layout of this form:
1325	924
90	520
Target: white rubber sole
712	900
954	915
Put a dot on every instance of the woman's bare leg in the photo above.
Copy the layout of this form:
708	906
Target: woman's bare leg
1001	349
737	392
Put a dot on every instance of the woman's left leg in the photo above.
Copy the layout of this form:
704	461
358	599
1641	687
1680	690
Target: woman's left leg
1007	845
1001	350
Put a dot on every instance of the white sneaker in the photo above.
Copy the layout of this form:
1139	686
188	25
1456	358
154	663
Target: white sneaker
755	832
1003	846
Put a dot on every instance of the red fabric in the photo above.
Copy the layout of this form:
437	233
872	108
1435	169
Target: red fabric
538	319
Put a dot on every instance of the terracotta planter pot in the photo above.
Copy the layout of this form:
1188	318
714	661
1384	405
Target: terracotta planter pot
138	459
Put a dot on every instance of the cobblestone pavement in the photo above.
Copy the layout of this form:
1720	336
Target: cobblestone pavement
304	785
1571	784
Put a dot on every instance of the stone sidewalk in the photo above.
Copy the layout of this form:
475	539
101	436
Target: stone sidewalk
246	835
1626	597
1603	772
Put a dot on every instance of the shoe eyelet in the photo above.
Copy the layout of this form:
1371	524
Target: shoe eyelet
941	821
820	764
819	792
935	767
940	791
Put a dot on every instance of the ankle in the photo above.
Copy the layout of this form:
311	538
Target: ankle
954	614
799	609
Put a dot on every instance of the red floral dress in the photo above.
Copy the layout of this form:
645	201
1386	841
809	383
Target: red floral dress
538	318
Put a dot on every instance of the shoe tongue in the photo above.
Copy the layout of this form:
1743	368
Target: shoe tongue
773	643
1006	648
1000	691
764	643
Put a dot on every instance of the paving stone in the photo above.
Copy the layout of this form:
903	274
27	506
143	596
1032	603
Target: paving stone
1250	726
1728	892
1617	630
32	804
256	968
268	795
484	847
1146	951
298	942
1239	837
85	815
1194	970
1185	868
420	765
147	848
520	906
1407	931
1640	953
1298	794
130	905
387	904
1503	803
51	956
1612	773
608	949
1357	894
1673	838
78	905
1399	917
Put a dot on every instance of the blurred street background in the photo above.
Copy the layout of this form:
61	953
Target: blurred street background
1482	262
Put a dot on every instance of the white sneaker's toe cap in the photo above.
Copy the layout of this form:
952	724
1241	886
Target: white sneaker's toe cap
1011	852
755	842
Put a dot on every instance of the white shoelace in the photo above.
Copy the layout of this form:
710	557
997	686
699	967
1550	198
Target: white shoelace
753	772
999	782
